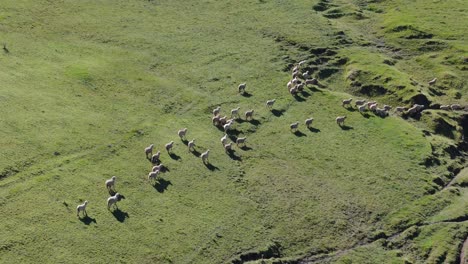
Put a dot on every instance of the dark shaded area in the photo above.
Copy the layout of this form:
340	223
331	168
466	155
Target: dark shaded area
273	251
442	127
305	94
366	115
174	156
420	99
312	129
234	132
314	89
88	220
298	133
185	141
350	108
277	113
246	94
120	215
345	127
327	72
372	90
111	192
161	185
233	156
154	161
196	153
121	197
211	167
245	148
298	98
254	122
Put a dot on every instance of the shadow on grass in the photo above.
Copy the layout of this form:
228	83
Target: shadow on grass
254	122
365	115
196	153
161	185
111	192
298	98
314	89
88	220
120	215
278	113
231	153
298	133
345	127
233	131
305	94
174	156
211	167
246	94
350	109
245	148
184	141
315	130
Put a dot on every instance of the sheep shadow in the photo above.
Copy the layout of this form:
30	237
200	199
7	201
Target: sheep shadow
314	130
233	131
111	192
196	153
298	133
245	148
350	109
174	156
210	166
155	161
161	185
365	115
246	94
120	215
277	113
233	156
298	98
254	122
305	94
88	220
314	89
184	141
345	127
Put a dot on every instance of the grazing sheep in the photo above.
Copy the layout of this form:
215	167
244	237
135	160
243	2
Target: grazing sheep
297	74
293	91
182	133
340	120
306	75
400	109
270	103
235	112
346	102
242	87
81	208
387	107
456	107
362	108
295	81
373	107
204	156
110	184
113	200
249	114
215	120
241	141
445	107
296	68
191	145
224	139
311	81
381	112
369	104
222	120
290	85
149	150
413	110
419	107
169	146
308	122
433	81
294	126
153	175
360	102
226	127
158	168
301	63
300	87
228	147
216	111
155	157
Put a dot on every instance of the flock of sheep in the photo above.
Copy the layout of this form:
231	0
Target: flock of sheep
295	85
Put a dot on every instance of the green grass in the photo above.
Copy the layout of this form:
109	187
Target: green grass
87	85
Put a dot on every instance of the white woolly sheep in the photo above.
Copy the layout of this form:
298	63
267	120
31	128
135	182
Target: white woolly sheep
290	85
432	82
369	104
301	63
215	120
308	122
216	111
169	146
249	114
158	168
235	112
293	91
445	107
400	109
362	108
300	87
295	68
149	150
360	102
381	112
81	208
204	156
182	133
296	74
413	110
311	81
241	141
270	103
294	126
191	145
340	120
373	107
226	127
242	87
224	139
228	147
306	75
222	120
153	175
156	157
295	81
456	107
346	102
113	200
110	184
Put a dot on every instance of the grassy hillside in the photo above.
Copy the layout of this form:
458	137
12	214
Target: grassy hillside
87	85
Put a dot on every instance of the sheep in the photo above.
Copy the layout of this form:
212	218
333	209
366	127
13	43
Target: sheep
456	107
296	68
242	87
155	157
400	109
340	120
373	107
169	146
293	91
419	107
301	63
215	120
360	102
149	150
204	156
191	145
294	126
362	108
216	111
381	112
224	139
249	114
295	81
308	122
300	87
241	141
110	184
306	75
270	103
289	85
182	133
346	102
113	200
81	208
432	82
387	107
311	81
153	175
445	107
228	147
226	127
222	120
413	110
158	168
235	112
297	74
369	104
